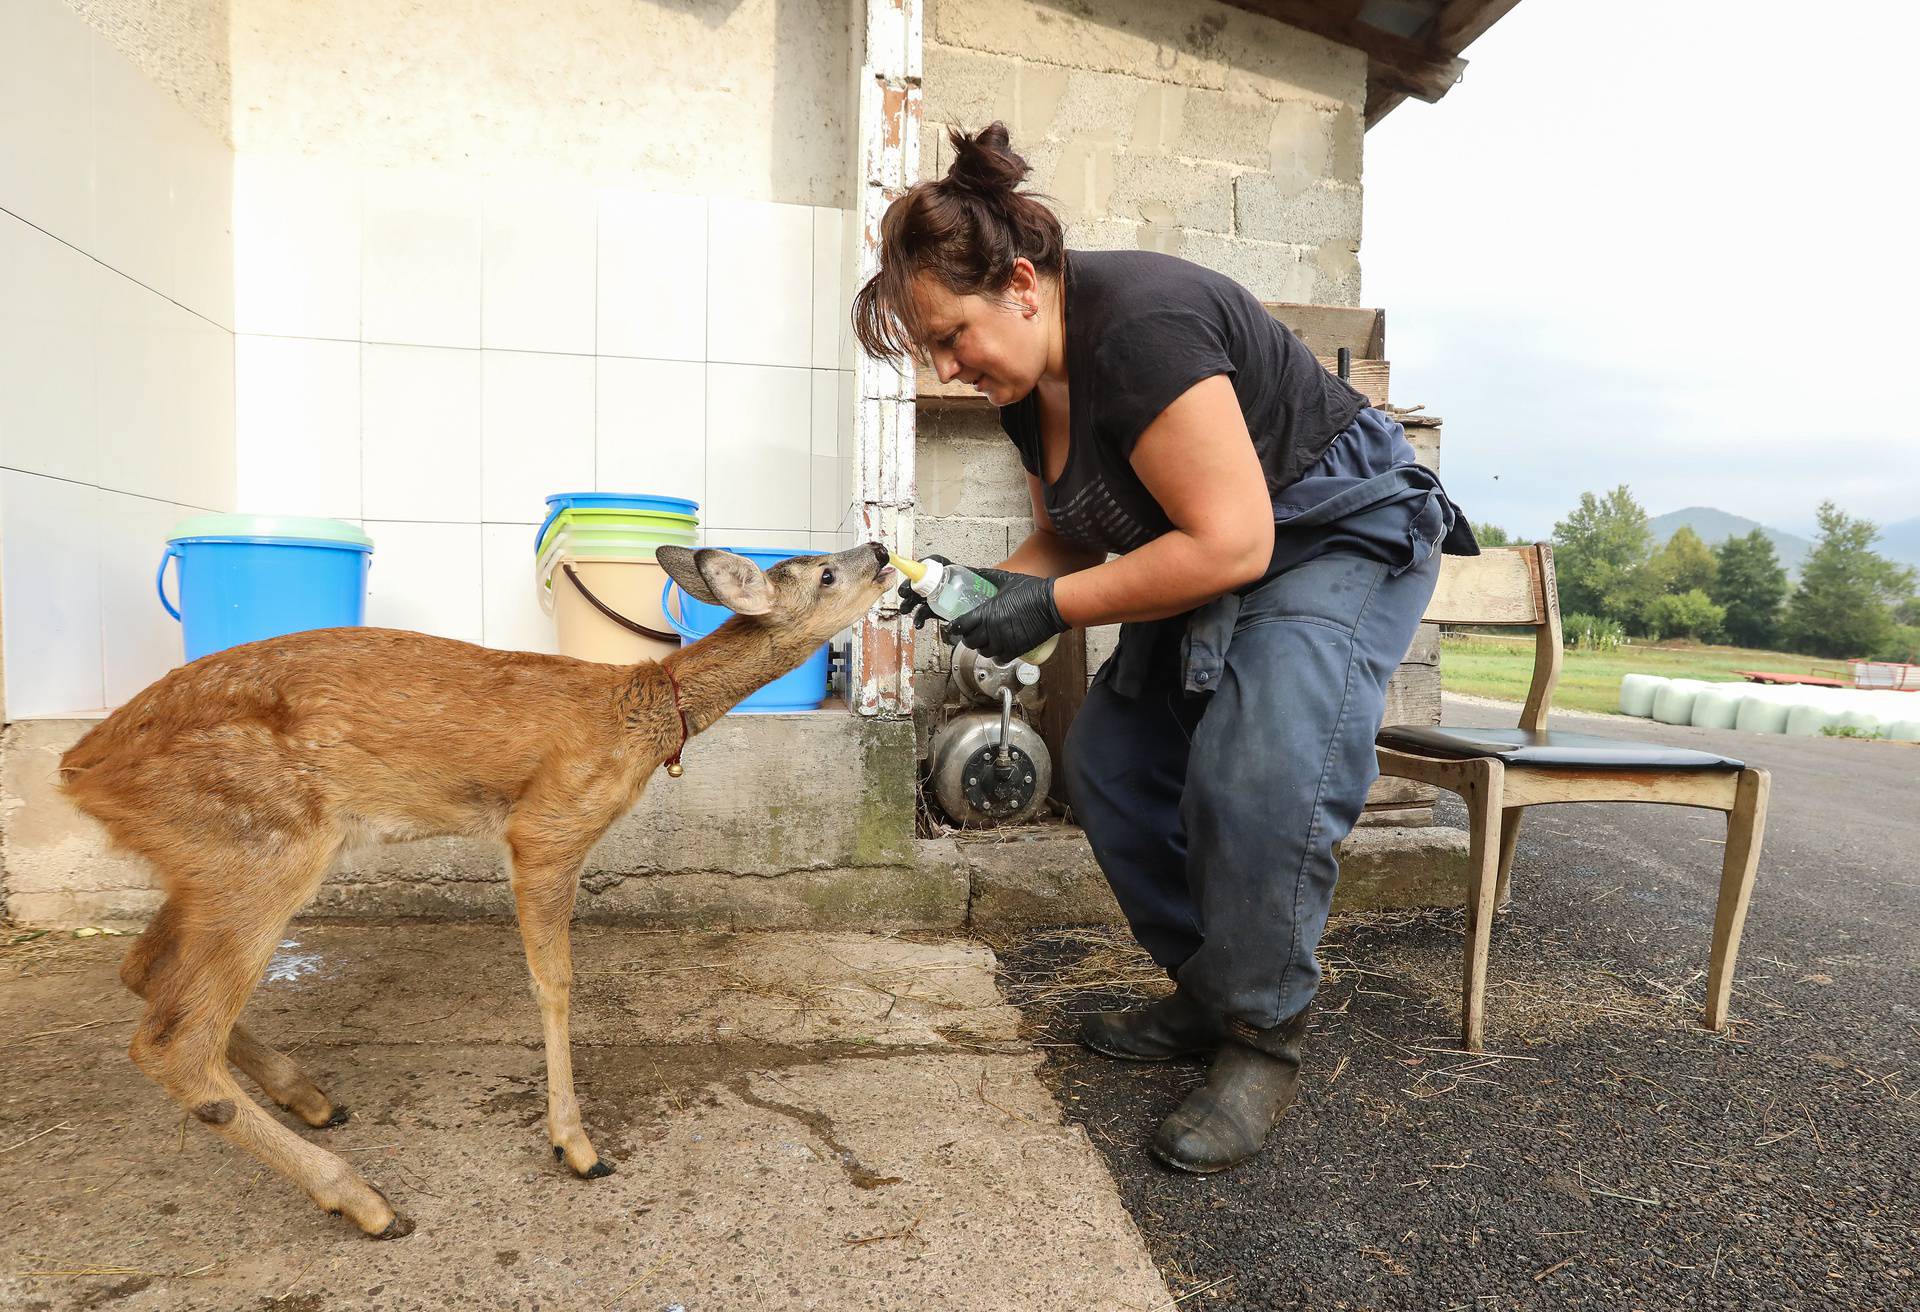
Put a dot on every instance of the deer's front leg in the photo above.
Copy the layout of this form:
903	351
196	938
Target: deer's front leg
543	895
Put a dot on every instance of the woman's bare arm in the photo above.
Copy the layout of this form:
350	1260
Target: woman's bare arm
1198	461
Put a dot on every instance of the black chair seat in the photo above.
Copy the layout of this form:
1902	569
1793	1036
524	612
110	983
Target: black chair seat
1574	751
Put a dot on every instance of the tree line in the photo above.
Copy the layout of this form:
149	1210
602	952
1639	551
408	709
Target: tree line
1850	600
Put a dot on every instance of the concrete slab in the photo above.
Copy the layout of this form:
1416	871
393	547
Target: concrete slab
744	840
1046	874
798	1121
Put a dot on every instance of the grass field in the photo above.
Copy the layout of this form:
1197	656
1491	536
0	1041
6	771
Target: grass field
1590	681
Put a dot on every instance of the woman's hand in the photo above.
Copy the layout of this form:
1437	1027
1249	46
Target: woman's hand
1013	622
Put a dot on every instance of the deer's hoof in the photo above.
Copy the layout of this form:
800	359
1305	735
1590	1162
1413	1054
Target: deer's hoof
341	1115
599	1170
398	1228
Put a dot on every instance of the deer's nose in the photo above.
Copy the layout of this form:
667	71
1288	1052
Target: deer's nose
880	555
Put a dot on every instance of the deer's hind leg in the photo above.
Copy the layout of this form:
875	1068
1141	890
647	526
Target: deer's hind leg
153	956
283	1081
223	932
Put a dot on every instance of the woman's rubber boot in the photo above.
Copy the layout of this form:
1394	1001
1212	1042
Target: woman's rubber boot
1227	1119
1173	1026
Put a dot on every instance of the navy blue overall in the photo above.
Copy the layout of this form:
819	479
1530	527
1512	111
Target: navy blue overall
1221	755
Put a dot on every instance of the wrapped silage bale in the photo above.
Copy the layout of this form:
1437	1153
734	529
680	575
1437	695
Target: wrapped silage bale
1762	711
1637	692
1673	704
1718	706
1810	719
1904	731
1892	706
1859	720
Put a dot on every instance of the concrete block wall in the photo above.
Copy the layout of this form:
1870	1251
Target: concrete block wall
1182	126
974	508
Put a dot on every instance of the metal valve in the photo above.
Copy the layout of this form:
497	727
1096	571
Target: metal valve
981	678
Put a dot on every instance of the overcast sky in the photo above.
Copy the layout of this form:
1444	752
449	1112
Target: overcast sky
1668	243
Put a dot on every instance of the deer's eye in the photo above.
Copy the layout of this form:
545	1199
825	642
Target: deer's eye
826	578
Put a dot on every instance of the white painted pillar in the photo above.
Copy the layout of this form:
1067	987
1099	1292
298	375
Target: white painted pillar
888	162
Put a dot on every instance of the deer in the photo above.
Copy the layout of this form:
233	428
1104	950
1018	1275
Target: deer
244	776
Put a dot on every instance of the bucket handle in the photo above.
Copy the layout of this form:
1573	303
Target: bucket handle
631	626
676	615
160	580
553	512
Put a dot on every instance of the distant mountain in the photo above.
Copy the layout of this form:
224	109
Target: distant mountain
1901	541
1716	526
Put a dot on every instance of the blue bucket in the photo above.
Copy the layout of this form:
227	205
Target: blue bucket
561	502
247	577
798	690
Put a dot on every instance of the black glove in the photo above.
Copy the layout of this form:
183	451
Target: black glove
912	603
1014	622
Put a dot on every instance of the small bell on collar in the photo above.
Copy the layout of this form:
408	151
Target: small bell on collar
674	771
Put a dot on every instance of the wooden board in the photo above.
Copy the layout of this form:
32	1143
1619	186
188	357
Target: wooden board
1367	377
1395	816
1063	682
1390	793
930	392
1324	329
1327	328
1495	587
1425	649
1413	66
1370	378
1413	697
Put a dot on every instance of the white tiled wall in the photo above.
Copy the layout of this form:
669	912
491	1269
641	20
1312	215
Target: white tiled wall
635	228
116	357
297	415
433	354
423	352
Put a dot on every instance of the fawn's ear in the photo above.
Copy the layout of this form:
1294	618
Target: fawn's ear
718	578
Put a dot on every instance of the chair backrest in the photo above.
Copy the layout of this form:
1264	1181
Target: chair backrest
1510	587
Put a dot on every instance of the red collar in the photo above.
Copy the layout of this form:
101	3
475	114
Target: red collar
674	768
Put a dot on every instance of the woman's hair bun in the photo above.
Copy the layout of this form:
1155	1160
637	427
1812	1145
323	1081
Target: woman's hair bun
985	162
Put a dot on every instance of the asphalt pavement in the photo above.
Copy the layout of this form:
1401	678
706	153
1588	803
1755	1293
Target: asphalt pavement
1607	1152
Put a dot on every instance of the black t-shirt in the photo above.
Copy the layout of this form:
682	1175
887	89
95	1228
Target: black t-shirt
1141	329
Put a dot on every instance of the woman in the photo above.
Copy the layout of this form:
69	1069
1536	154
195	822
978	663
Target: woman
1275	545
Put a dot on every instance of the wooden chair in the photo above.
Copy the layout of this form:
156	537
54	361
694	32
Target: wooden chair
1498	772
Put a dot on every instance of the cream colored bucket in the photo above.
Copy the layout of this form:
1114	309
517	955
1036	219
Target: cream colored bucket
598	602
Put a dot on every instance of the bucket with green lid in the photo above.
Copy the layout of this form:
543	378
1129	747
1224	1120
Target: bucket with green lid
244	578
